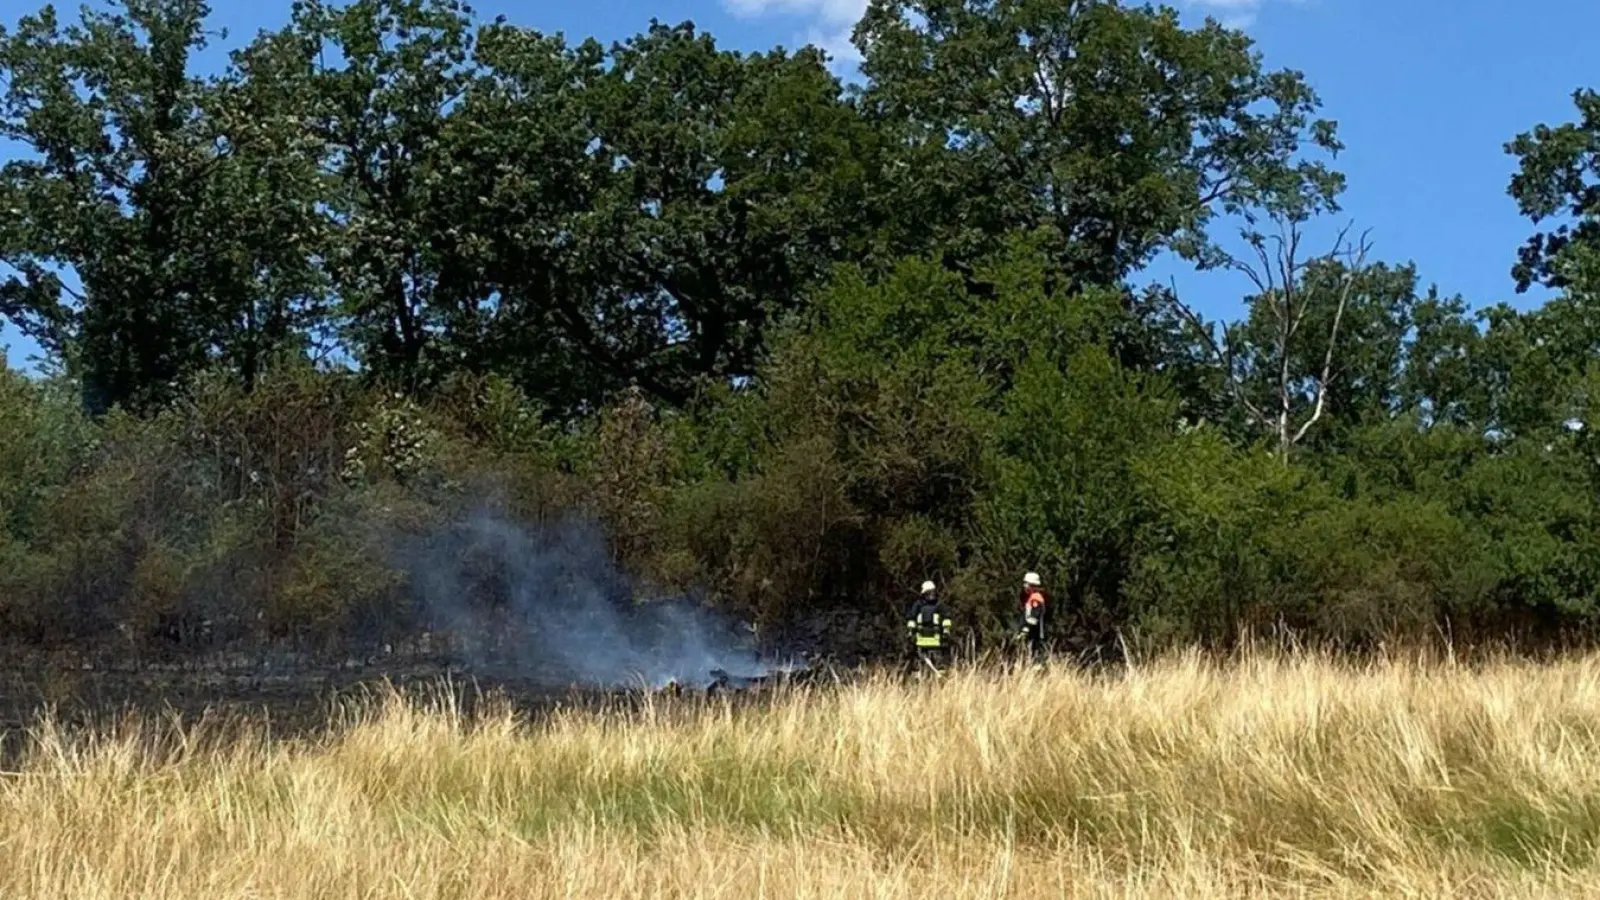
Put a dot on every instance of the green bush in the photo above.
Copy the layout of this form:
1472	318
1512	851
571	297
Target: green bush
905	427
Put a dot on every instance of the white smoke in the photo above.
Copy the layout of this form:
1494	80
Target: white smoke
549	604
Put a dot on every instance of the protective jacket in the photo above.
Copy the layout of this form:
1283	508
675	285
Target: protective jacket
928	624
1033	610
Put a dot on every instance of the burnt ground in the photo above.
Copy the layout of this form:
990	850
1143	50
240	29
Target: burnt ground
295	690
296	699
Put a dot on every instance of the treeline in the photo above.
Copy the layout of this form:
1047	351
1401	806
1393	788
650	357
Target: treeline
798	344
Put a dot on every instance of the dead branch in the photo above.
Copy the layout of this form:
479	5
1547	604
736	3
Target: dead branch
1222	352
1349	280
1279	276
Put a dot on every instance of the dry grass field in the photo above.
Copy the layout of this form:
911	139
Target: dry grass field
1266	778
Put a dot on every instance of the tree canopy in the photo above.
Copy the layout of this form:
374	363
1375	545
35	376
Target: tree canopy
799	343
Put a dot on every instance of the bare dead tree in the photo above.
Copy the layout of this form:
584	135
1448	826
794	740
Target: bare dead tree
1279	275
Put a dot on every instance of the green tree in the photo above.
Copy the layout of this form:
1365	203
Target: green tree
266	198
1559	176
47	437
652	209
1113	128
1437	380
130	187
375	82
1065	502
1531	368
1542	368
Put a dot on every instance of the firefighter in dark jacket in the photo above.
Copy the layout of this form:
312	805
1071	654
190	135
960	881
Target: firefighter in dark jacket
929	627
1033	617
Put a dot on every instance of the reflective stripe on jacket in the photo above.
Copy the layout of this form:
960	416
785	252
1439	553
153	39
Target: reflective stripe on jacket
929	626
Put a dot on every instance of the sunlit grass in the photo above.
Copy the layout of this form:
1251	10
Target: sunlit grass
1182	779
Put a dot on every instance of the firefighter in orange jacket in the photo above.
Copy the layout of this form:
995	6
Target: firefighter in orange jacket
1033	616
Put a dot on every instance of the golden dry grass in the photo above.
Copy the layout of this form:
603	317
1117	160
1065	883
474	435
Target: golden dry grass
1267	778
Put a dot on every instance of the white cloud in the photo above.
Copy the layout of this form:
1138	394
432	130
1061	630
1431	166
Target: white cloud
828	10
1234	13
830	21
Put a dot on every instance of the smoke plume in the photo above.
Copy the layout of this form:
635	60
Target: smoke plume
549	604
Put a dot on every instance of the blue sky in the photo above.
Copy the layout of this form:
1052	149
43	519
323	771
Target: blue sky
1426	93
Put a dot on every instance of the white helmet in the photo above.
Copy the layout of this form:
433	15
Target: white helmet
1031	579
927	587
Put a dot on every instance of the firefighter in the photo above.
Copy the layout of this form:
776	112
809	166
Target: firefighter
1033	617
929	627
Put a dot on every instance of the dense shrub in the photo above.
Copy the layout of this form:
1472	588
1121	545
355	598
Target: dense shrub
905	428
